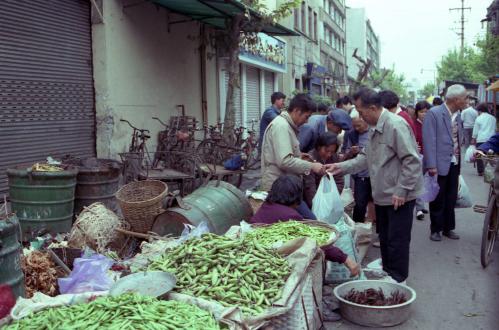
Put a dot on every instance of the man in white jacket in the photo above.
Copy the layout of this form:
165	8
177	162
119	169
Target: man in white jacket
485	127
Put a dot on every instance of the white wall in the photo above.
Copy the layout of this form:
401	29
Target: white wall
355	38
142	69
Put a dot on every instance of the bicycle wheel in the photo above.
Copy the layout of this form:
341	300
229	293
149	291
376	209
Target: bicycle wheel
489	232
206	150
254	161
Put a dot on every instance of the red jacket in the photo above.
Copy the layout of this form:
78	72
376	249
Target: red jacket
409	120
419	134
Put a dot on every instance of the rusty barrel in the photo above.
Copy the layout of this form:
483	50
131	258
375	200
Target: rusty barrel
10	254
220	204
43	201
97	181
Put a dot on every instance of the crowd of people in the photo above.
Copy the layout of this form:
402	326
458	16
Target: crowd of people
385	148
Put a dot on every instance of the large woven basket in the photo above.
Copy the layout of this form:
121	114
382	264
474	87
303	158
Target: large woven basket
141	202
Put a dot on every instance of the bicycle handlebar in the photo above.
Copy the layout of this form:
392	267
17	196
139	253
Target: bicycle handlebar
135	128
162	123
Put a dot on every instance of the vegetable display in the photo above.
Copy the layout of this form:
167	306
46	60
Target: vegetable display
233	272
287	231
128	311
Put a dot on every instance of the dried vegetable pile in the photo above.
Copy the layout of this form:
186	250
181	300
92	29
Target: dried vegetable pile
373	297
128	311
40	274
233	272
287	231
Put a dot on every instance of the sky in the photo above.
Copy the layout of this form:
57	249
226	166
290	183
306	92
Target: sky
415	34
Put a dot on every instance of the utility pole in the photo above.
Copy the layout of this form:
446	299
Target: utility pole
461	34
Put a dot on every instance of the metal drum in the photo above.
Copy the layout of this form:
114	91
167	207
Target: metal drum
43	201
10	255
220	204
97	181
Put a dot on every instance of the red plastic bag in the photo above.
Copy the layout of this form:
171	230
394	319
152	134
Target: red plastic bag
7	300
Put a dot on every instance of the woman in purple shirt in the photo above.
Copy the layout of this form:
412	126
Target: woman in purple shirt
284	197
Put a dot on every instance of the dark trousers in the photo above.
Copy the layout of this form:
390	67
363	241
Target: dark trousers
395	228
362	195
442	215
305	211
480	167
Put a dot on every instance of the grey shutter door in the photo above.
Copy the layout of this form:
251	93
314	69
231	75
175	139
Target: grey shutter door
269	86
237	101
253	110
46	83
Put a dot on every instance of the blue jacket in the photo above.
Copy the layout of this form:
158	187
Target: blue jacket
437	139
309	132
269	114
492	143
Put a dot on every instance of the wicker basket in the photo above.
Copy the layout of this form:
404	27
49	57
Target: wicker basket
141	202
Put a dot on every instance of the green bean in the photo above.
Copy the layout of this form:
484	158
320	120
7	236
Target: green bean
145	313
288	230
233	272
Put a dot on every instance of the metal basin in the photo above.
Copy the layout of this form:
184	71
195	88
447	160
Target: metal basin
375	316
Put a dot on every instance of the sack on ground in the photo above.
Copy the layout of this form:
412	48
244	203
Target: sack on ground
327	204
468	155
463	195
431	188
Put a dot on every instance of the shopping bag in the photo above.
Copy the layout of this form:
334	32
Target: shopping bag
469	154
463	195
431	188
327	204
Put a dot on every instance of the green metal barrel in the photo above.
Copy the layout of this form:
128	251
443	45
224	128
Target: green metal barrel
10	255
97	181
43	201
220	204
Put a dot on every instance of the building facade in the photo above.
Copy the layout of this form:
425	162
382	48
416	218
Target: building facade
360	37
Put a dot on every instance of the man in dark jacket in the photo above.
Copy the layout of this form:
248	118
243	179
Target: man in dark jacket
270	113
336	121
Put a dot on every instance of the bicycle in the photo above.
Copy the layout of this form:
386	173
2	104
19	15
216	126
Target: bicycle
251	148
133	160
491	219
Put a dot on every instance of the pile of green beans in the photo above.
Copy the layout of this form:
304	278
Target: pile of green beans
287	231
233	272
127	311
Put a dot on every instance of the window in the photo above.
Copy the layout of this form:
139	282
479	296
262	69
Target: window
310	23
297	84
315	26
297	19
303	18
327	7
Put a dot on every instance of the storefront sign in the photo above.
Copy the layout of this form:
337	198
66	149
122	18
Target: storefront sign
264	51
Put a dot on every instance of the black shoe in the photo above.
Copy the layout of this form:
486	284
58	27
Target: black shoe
451	234
420	215
436	237
424	211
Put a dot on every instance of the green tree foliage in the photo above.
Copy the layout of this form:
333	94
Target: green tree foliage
427	90
476	64
388	79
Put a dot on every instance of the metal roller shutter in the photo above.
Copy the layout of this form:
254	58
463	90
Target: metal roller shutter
46	83
269	86
237	102
253	110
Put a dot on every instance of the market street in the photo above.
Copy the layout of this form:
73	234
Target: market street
453	290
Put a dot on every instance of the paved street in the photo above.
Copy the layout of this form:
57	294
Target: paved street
453	290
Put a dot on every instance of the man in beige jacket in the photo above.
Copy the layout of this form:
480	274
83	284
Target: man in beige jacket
281	148
396	179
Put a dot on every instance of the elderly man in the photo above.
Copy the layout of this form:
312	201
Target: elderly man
281	148
335	121
442	132
395	173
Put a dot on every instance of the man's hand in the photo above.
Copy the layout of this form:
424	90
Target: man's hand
419	149
318	168
306	157
432	171
334	169
473	141
354	150
397	201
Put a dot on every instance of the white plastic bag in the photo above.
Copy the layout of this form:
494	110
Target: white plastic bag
327	204
463	195
347	197
468	156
